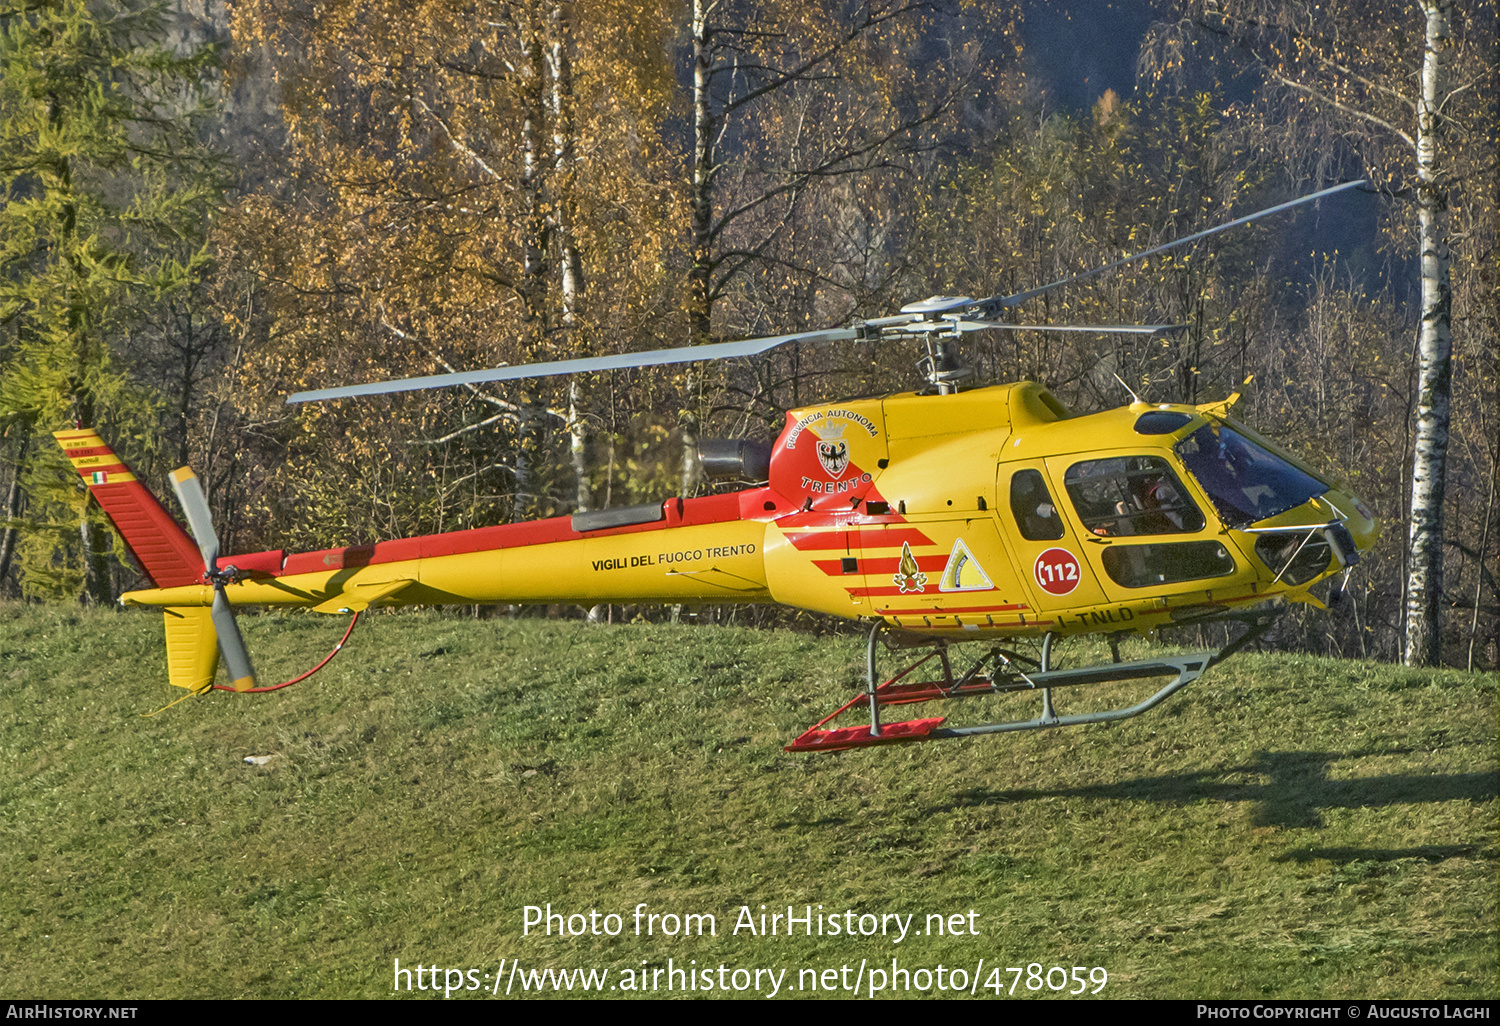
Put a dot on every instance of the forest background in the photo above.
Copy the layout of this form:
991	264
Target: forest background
209	206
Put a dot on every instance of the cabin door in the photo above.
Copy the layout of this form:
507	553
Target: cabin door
1045	547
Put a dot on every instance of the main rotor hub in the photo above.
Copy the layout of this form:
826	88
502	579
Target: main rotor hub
941	324
934	307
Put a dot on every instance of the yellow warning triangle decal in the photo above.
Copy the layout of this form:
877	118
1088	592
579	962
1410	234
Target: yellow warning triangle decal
963	572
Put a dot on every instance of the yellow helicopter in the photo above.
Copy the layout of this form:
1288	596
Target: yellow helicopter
942	516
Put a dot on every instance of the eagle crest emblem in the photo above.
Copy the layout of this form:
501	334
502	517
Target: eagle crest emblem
833	451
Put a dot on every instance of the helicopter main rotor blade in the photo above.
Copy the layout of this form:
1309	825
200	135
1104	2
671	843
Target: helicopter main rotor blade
995	302
654	358
190	495
967	324
1098	329
915	319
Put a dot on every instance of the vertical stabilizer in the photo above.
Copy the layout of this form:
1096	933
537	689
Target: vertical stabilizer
192	647
163	549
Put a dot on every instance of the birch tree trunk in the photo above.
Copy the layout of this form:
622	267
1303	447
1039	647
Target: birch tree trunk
570	265
700	274
12	532
532	93
1424	582
583	494
533	243
564	155
702	198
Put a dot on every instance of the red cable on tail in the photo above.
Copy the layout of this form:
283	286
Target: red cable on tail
286	684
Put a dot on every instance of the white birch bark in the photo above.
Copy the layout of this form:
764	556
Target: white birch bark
533	233
532	92
578	447
1424	583
570	278
702	210
564	150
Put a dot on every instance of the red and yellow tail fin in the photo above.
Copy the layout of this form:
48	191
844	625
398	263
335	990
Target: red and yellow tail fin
159	544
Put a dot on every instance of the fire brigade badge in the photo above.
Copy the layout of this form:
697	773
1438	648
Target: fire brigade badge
908	576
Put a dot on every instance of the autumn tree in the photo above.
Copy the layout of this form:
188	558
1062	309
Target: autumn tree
105	195
1406	89
475	183
481	182
1058	195
790	102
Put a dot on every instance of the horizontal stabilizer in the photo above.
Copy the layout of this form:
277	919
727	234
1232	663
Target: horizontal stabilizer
360	597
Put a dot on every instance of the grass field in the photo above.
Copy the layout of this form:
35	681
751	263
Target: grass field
1286	827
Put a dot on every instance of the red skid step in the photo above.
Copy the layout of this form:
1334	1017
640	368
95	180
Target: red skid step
816	740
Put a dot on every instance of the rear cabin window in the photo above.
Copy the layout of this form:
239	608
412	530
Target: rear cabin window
1031	505
1131	495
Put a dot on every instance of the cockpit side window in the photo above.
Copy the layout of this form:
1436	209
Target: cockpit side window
1031	505
1131	495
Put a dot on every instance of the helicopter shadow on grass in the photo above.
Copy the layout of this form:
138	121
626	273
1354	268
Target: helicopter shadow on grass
1293	789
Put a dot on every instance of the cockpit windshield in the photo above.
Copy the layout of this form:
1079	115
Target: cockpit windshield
1245	482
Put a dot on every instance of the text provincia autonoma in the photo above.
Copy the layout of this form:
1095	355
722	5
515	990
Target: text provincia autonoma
806	921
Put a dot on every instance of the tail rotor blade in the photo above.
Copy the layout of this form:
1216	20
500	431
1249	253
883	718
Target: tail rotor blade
190	495
236	656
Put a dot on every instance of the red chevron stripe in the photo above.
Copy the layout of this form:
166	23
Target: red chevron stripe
835	567
867	539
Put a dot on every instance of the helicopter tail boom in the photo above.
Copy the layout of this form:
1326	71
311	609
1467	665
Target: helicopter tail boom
692	550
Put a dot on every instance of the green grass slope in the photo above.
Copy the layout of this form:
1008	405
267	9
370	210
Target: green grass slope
1287	826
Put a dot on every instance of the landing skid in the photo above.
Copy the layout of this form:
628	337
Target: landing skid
1000	671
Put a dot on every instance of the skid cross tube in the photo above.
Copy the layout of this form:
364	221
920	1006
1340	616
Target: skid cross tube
1185	669
999	672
